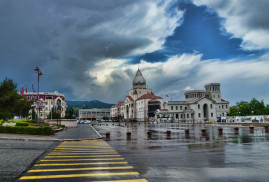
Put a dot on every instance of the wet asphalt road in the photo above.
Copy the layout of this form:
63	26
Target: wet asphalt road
16	156
230	157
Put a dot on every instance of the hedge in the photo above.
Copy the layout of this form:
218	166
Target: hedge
43	130
21	123
1	122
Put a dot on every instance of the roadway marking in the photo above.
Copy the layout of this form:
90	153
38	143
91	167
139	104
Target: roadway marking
83	147
64	156
101	159
128	180
78	164
92	160
80	169
78	175
75	153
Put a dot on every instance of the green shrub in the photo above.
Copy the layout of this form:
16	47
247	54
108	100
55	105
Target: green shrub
1	122
21	123
43	130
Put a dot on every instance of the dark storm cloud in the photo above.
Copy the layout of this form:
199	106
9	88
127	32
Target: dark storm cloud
67	38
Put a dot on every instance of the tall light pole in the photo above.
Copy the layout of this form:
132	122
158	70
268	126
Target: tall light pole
39	73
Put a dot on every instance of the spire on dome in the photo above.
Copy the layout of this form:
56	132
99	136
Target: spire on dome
139	81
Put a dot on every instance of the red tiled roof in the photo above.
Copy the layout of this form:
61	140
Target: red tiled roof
163	109
130	98
120	102
223	100
149	96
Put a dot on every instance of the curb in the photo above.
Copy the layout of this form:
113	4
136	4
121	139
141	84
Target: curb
54	139
48	140
96	132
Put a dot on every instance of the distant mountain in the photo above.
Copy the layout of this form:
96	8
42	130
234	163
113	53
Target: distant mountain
93	103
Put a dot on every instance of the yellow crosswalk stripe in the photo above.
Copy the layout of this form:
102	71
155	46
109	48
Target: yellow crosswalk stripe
87	147
79	164
78	175
80	169
101	159
75	149
75	153
63	156
125	180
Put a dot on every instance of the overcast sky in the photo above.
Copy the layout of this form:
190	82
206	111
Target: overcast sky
90	50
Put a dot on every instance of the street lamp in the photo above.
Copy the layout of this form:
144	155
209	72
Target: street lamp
39	73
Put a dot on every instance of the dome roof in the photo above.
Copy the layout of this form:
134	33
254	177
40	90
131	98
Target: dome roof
139	79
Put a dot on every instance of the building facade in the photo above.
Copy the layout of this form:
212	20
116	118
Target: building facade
199	106
98	114
46	102
117	111
140	102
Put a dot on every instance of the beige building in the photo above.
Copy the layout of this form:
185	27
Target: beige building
117	111
140	102
46	102
199	106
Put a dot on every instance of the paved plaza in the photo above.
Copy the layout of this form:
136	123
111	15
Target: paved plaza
160	157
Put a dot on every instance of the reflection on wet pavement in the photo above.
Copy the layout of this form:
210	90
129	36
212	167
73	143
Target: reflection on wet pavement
213	157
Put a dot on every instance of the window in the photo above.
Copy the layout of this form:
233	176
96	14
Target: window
199	115
187	115
226	106
181	115
214	96
176	107
180	107
185	108
172	108
211	106
176	116
222	106
212	114
218	96
198	106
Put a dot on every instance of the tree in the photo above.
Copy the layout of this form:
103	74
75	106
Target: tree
69	114
11	103
54	114
254	107
233	111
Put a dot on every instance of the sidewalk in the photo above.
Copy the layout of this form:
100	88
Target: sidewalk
81	132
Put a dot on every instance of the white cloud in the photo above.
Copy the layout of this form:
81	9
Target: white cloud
188	88
247	20
240	80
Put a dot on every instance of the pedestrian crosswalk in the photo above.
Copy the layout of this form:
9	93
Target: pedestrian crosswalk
86	160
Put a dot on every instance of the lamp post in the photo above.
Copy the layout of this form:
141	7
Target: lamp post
39	73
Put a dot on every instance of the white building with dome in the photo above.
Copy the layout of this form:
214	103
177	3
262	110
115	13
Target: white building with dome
140	102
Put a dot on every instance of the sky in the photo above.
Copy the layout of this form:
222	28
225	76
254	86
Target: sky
90	50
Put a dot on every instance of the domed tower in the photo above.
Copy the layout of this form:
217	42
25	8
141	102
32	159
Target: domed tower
139	81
